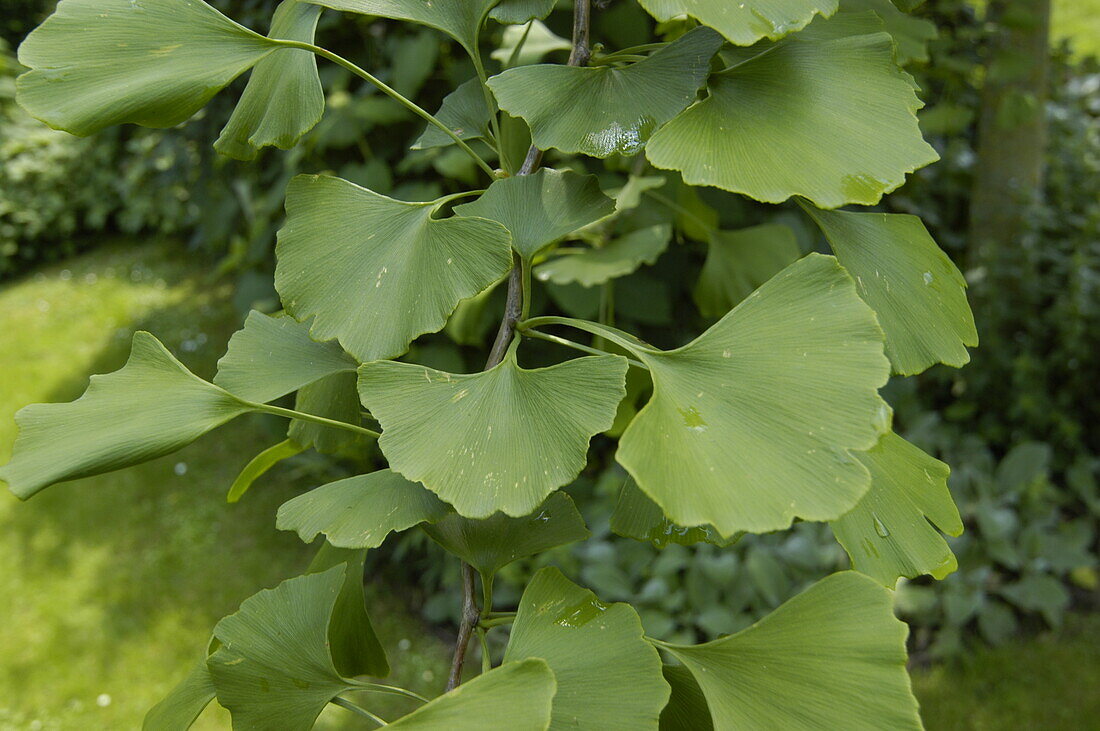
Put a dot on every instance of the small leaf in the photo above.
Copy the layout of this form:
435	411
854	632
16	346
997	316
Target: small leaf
358	261
359	512
179	709
540	208
687	707
512	697
351	638
888	534
283	99
740	261
618	258
608	676
537	43
918	294
151	407
501	440
333	397
517	12
491	544
638	517
744	23
822	115
630	195
464	112
460	20
832	657
274	669
259	465
273	356
911	35
599	111
97	63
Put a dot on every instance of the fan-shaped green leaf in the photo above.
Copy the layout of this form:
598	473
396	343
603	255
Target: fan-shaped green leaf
358	261
541	208
274	669
608	676
687	706
460	19
638	517
599	111
617	259
911	35
537	41
491	544
152	406
513	697
259	465
914	288
359	512
179	709
352	641
888	534
464	111
826	117
97	63
744	23
333	397
832	657
740	261
283	98
500	440
516	12
273	356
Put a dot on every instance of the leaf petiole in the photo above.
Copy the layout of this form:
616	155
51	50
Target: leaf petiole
302	416
344	703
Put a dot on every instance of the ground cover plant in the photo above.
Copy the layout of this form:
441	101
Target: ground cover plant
771	415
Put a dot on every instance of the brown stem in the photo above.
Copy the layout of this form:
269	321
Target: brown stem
513	311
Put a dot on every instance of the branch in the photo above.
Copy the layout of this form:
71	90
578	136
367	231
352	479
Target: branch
470	617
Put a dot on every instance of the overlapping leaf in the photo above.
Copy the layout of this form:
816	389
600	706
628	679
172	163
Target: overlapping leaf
744	23
333	397
259	465
491	544
832	657
283	98
361	264
183	704
636	516
608	676
537	41
97	63
740	261
500	440
359	512
599	111
541	208
911	35
152	406
687	706
618	258
918	294
464	111
460	19
352	641
515	12
888	534
273	356
822	114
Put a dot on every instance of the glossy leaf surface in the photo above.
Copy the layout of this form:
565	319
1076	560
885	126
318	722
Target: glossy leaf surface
744	23
97	63
360	264
618	258
359	512
599	111
916	291
740	261
609	676
832	657
888	534
500	440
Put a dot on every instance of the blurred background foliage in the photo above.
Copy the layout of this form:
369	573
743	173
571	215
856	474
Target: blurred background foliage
1014	424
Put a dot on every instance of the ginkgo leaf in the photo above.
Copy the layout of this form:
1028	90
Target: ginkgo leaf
599	111
460	19
740	261
357	262
464	111
512	697
917	292
333	397
259	465
618	258
744	23
911	35
179	709
636	516
352	641
491	544
687	706
630	195
754	422
283	99
609	676
538	41
97	63
826	116
831	657
274	669
888	534
152	406
516	12
273	356
540	208
359	512
500	440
